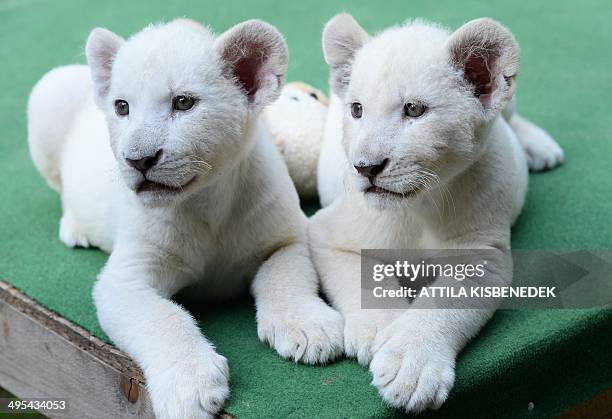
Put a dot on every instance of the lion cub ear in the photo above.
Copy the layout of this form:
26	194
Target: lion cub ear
488	55
256	55
101	50
342	38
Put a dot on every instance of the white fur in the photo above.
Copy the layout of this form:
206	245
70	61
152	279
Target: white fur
333	164
461	157
296	120
238	219
541	150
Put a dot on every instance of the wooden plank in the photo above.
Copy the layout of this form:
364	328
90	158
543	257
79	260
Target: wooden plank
45	356
599	407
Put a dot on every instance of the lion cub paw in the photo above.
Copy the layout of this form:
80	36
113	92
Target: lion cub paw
192	388
310	333
360	330
411	373
70	233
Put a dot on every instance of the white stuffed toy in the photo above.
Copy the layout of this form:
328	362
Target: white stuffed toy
296	121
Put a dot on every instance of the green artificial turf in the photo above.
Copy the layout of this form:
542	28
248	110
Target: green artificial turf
554	358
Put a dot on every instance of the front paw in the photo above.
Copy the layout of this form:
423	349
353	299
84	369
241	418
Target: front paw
310	333
70	233
412	373
542	151
191	388
360	329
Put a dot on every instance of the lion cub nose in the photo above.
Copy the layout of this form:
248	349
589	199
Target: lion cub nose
370	171
145	163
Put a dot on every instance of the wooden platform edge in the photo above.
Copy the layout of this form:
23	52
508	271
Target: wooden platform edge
598	407
73	333
43	355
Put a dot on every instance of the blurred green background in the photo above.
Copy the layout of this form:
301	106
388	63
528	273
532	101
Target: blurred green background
554	359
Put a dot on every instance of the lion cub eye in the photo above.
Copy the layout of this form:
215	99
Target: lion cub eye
414	110
356	110
122	108
182	103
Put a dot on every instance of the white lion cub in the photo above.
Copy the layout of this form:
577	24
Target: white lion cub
417	155
174	172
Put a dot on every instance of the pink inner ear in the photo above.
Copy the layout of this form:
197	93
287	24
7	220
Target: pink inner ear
246	69
247	61
478	72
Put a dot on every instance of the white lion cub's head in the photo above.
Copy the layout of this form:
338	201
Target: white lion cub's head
415	99
179	103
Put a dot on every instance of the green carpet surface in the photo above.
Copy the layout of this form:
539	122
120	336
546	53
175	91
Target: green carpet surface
553	359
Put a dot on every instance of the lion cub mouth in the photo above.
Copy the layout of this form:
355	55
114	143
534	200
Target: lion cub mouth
377	190
151	186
